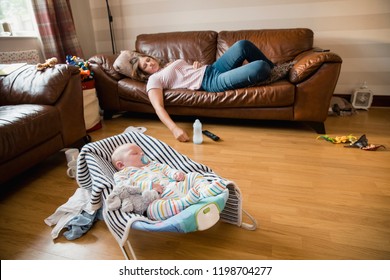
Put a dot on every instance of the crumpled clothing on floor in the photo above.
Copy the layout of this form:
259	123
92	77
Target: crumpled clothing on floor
81	224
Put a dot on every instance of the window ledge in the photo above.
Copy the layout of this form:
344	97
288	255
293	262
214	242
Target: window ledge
18	37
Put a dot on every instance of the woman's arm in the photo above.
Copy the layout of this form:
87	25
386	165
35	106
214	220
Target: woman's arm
157	99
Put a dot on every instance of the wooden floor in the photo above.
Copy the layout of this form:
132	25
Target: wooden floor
312	199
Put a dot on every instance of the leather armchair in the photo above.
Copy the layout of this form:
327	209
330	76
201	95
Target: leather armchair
41	112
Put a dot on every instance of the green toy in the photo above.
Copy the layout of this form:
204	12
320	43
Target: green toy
361	143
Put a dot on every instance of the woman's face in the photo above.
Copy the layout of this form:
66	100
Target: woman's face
148	65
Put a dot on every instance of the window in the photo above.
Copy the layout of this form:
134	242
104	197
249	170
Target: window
17	18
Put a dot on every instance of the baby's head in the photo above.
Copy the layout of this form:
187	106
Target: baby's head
128	155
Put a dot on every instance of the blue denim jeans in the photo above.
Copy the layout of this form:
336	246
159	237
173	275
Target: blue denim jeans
228	73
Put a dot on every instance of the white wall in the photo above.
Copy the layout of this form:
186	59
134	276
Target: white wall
83	22
358	30
13	43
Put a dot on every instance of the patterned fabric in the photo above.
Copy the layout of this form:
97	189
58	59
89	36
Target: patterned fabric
95	172
280	71
27	56
56	28
179	195
145	176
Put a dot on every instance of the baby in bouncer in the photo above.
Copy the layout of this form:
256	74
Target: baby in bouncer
177	189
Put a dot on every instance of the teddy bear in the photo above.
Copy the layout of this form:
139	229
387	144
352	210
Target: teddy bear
131	199
48	63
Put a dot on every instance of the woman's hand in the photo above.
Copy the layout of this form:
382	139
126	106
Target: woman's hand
180	134
156	97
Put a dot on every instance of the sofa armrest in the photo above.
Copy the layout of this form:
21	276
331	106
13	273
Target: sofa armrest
27	85
106	81
315	75
106	64
309	62
71	110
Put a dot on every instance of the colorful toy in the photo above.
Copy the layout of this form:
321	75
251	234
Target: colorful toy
338	139
361	143
85	73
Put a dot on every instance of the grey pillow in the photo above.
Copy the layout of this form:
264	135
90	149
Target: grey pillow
122	62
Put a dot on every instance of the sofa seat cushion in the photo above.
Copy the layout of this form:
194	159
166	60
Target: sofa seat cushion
23	127
280	94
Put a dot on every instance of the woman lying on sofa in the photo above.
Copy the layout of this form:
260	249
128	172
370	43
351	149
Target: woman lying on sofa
227	73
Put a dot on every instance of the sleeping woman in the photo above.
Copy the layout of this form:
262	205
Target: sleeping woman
227	73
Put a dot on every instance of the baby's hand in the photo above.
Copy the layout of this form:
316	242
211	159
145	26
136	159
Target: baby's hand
158	188
179	176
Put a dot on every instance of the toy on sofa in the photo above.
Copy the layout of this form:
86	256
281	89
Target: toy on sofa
85	73
130	199
49	63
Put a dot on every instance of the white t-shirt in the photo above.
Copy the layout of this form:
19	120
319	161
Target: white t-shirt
178	74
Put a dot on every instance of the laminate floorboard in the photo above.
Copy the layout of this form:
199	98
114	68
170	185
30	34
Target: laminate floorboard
312	199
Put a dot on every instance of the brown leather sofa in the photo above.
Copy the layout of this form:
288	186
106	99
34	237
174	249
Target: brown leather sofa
41	112
304	95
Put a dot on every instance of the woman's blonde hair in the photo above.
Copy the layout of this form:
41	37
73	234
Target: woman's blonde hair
136	71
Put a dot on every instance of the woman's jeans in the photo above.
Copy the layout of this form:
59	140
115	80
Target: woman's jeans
228	72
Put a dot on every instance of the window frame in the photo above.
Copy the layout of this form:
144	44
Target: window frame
12	15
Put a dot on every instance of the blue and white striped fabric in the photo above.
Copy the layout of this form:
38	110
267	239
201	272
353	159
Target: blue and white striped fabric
95	173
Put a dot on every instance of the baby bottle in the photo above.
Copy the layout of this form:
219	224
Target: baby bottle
197	137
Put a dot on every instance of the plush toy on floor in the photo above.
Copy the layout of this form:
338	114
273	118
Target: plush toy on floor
130	199
49	63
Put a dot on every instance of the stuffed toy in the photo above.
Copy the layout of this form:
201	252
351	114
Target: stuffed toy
130	199
49	63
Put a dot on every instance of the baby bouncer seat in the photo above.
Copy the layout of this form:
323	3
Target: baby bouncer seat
95	173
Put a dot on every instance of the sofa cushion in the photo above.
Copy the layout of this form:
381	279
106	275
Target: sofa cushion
191	45
133	90
280	94
23	127
279	45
